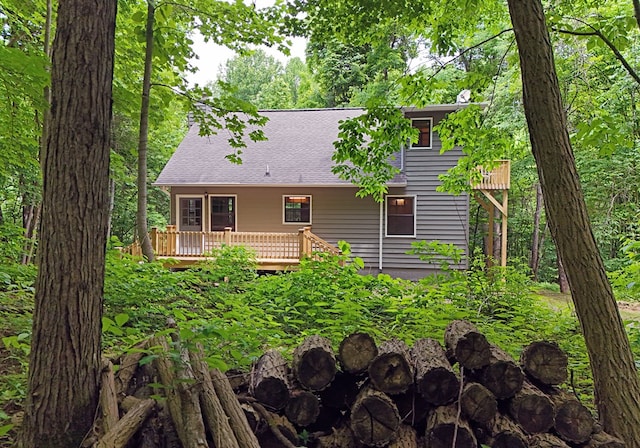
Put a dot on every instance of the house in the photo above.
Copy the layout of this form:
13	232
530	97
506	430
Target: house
285	189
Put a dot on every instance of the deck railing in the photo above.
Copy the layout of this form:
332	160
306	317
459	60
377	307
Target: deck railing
268	246
498	178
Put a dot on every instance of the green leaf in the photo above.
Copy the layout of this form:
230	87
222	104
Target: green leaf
5	429
121	319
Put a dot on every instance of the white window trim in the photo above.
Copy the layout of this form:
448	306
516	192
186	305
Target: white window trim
386	214
310	210
188	196
430	119
235	211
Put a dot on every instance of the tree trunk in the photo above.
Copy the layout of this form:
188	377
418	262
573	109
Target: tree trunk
534	261
563	281
65	361
616	381
141	215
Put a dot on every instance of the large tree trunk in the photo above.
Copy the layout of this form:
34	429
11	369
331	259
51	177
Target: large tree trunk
617	387
141	214
65	351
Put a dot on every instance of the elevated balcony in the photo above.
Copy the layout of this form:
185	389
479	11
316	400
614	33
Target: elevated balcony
498	178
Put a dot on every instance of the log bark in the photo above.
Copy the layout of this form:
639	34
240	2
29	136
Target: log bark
544	362
406	437
303	408
532	409
340	437
215	417
502	432
478	403
128	365
108	398
237	418
447	429
356	353
374	417
281	433
392	371
269	383
503	377
182	399
119	435
435	379
604	440
467	346
573	421
314	363
546	441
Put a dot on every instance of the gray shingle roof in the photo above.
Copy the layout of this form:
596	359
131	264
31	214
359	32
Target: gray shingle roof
298	152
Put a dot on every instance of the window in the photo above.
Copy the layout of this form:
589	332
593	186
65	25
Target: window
223	212
191	213
297	209
401	216
423	125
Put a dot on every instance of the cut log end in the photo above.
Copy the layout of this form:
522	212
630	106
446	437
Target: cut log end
374	418
439	387
545	362
356	352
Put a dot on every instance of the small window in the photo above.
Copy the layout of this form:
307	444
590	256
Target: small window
423	125
401	216
297	209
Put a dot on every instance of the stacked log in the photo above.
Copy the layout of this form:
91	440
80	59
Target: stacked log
463	394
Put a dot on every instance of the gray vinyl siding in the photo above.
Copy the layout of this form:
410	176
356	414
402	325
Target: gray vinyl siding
439	216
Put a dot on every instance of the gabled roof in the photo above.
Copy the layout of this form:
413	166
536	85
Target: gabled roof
298	152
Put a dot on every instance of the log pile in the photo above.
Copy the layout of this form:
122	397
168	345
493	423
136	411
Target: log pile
466	393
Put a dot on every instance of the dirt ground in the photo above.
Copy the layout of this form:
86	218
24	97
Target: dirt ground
628	310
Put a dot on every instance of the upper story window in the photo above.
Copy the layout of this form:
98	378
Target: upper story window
297	209
401	216
423	125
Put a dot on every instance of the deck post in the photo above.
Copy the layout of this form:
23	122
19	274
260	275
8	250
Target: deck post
154	239
171	240
227	235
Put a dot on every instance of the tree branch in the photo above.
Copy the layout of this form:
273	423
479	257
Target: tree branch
608	43
636	10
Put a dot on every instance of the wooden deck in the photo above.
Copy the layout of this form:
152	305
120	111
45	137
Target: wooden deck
274	251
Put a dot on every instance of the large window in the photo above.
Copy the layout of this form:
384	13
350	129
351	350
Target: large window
297	209
423	125
223	212
401	216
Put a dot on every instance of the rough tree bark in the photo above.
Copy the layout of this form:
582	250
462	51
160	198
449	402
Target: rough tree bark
617	387
143	137
64	368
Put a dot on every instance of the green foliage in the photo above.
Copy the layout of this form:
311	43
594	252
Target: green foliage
626	279
436	252
367	146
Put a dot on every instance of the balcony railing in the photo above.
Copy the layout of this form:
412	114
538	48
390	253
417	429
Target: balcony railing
498	178
270	247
